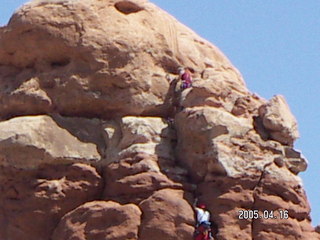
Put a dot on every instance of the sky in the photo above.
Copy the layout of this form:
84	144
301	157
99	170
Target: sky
275	45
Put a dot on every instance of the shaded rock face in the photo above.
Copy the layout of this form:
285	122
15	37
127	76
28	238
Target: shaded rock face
87	150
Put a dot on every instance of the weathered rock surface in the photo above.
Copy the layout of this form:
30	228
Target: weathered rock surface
279	121
131	135
141	152
87	58
100	220
170	208
134	178
33	201
272	193
27	142
270	190
87	150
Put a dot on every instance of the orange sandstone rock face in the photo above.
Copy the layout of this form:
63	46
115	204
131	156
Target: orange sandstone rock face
34	201
100	220
87	151
167	215
96	58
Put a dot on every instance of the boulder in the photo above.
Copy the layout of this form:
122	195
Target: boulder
295	161
170	208
279	121
200	130
100	220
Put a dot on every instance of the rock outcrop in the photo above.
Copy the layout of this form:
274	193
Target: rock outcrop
98	140
279	121
27	142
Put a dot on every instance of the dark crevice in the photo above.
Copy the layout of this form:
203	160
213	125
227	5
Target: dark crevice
127	7
141	220
260	129
60	63
100	194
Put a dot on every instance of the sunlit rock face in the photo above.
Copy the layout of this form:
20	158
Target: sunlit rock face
99	141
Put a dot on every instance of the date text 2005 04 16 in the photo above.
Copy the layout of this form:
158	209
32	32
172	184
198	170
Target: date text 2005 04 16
266	214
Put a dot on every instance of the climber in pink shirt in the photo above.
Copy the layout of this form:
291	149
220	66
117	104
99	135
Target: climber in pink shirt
186	78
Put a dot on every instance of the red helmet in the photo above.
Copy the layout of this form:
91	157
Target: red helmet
201	205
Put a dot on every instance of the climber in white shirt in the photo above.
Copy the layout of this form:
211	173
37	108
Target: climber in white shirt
203	221
203	215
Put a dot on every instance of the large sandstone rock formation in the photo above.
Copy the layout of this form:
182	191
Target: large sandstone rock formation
97	140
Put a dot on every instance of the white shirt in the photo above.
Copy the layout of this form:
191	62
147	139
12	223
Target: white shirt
202	215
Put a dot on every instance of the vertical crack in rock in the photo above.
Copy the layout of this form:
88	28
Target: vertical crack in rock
141	221
263	171
102	183
255	192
